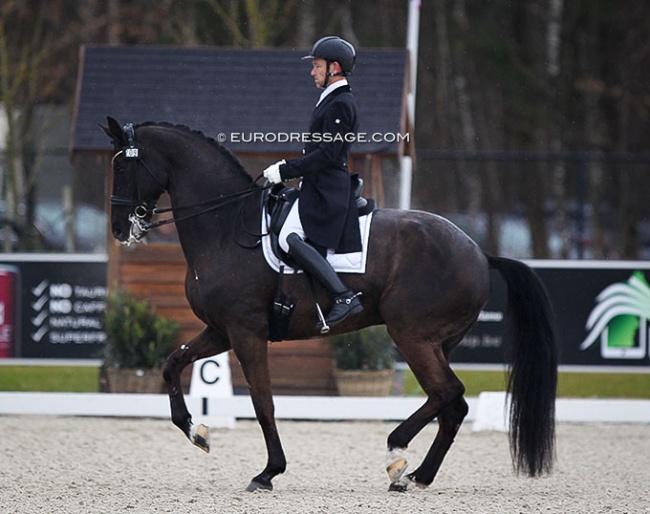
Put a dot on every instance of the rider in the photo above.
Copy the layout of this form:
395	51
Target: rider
325	215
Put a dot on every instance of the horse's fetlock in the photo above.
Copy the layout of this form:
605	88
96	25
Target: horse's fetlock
277	468
421	483
397	441
183	422
394	453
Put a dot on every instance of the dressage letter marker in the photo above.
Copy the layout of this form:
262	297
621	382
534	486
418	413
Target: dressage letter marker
211	379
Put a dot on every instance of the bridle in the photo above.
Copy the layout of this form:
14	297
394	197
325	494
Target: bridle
140	210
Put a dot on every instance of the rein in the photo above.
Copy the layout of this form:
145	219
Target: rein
212	205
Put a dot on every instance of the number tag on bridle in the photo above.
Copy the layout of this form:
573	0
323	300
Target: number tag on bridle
130	152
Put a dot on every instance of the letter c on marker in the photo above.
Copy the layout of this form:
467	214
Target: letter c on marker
203	372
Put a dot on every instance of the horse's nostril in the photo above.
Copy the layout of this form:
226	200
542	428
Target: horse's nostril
117	234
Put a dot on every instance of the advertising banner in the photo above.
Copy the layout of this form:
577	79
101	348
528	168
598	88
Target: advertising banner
59	301
601	309
51	306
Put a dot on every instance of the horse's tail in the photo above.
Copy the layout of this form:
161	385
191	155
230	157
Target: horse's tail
533	375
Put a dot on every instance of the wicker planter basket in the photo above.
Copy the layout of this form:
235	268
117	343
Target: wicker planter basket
363	382
143	381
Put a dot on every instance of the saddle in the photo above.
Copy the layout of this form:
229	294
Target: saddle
280	198
277	203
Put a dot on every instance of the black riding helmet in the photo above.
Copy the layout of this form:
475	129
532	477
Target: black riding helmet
333	48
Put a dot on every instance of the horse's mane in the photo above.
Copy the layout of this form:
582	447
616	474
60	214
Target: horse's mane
225	152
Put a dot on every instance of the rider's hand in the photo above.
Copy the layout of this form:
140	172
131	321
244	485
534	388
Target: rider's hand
272	173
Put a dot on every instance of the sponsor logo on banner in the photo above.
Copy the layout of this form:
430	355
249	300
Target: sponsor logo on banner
619	321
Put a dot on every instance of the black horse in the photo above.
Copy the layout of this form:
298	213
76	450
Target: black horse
426	280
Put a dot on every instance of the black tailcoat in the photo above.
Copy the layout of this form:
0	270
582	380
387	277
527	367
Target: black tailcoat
327	206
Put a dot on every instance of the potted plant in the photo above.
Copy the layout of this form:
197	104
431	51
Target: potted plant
364	362
138	342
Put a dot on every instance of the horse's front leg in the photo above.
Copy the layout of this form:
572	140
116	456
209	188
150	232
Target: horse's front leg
205	344
252	353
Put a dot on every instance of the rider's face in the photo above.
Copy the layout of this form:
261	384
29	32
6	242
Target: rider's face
319	72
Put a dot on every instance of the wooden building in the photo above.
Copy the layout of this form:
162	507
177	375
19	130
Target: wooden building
252	101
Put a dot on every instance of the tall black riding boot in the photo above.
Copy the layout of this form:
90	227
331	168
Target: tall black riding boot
344	301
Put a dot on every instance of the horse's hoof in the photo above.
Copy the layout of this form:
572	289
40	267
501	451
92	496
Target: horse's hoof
258	486
398	488
396	464
403	484
396	469
201	437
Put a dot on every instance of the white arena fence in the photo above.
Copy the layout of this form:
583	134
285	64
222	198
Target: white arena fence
487	412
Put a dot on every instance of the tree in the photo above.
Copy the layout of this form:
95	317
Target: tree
20	56
535	76
544	78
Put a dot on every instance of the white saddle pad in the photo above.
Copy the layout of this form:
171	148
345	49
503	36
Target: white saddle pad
341	262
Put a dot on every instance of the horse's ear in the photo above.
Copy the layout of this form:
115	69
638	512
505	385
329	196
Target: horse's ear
114	131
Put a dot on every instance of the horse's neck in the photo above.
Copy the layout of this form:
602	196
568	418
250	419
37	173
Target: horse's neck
201	190
208	176
197	167
209	188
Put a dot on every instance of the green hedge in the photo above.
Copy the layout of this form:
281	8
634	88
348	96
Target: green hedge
570	385
73	379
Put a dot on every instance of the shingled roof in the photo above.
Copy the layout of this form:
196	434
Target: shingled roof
236	92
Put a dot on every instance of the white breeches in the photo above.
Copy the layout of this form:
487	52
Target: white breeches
291	225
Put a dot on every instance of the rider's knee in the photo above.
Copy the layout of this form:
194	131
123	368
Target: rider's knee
285	242
293	238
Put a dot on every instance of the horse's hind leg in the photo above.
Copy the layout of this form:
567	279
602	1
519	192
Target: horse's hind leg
449	422
445	401
205	344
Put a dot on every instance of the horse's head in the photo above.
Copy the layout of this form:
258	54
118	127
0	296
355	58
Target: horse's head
136	187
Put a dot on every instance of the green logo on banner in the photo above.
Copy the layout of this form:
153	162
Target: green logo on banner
619	319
